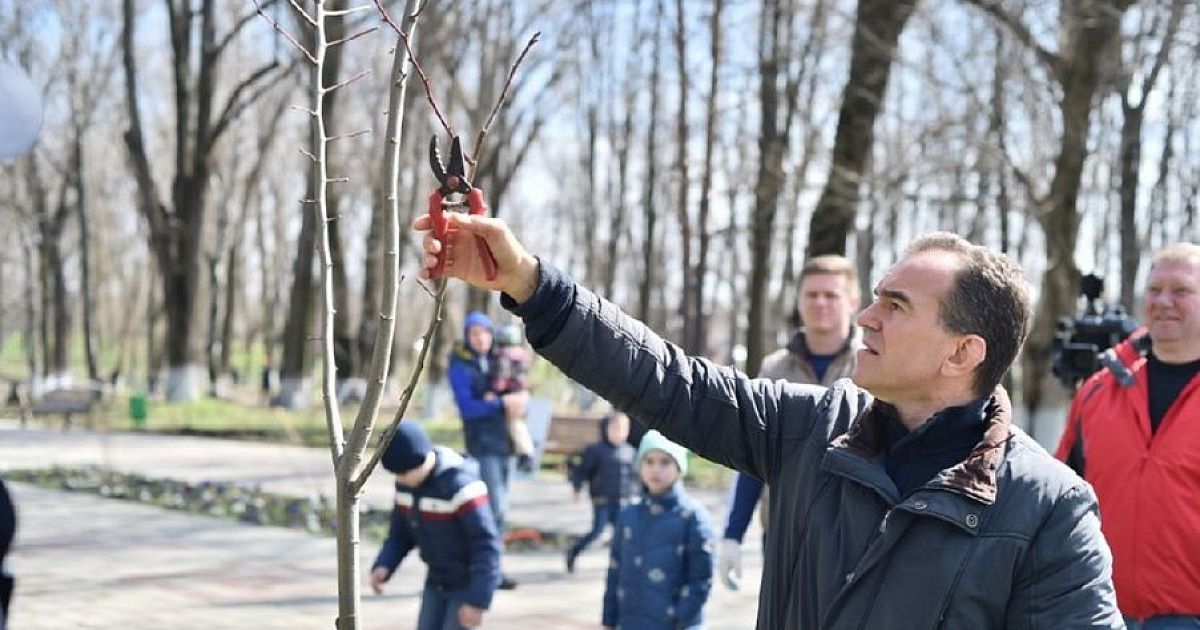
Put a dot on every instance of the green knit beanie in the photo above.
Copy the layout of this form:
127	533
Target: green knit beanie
655	441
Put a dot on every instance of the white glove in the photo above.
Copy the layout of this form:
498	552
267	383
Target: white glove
729	563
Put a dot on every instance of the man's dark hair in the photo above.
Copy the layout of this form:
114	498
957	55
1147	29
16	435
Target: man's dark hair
989	298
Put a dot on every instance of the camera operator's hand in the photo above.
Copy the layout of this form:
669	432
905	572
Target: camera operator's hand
516	268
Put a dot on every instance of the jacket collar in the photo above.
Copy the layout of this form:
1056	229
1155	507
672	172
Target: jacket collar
666	500
974	477
798	346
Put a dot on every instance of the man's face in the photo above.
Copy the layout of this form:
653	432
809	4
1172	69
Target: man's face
1173	305
826	303
480	339
905	345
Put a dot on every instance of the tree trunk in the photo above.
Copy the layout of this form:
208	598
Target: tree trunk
295	374
649	211
877	29
689	339
769	182
199	122
85	266
710	137
1089	31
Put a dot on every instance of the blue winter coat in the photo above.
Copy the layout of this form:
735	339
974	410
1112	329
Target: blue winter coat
449	518
484	427
661	570
607	469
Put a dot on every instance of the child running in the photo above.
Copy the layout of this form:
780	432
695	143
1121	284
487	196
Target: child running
607	468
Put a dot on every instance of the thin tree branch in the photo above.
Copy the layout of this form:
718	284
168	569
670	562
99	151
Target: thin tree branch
1052	60
286	35
238	26
365	31
342	12
500	101
385	438
236	102
303	14
416	63
341	84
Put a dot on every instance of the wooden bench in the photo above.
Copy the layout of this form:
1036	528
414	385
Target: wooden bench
67	402
569	435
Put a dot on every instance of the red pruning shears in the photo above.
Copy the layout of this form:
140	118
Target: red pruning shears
453	179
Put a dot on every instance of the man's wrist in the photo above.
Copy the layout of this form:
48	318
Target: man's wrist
524	280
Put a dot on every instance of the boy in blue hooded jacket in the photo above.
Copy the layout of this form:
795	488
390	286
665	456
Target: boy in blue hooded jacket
607	468
661	567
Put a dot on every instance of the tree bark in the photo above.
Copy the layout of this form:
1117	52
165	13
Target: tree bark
649	210
877	29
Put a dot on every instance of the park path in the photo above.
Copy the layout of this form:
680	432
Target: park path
87	562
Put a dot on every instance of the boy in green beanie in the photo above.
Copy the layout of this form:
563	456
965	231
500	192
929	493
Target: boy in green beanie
661	565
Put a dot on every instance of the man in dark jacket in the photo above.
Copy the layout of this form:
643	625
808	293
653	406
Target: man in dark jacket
905	499
441	507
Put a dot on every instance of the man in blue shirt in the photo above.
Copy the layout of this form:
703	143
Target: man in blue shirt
821	351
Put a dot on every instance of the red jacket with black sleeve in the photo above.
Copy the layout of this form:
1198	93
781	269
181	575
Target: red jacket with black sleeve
1148	484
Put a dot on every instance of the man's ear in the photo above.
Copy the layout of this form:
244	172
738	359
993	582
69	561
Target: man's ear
969	352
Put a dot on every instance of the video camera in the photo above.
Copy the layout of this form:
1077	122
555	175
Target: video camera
1079	341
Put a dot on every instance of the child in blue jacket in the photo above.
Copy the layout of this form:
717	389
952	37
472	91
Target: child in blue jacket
607	467
661	569
442	507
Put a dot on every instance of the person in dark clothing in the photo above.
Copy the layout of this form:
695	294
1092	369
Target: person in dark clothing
8	529
865	531
607	468
441	507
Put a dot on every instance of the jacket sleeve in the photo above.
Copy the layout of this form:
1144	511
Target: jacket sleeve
476	517
1065	580
470	405
744	497
1070	445
397	545
698	580
610	617
717	412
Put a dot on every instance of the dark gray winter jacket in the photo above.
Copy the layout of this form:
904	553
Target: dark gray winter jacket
1008	538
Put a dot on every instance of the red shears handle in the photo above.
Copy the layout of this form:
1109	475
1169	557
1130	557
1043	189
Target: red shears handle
441	228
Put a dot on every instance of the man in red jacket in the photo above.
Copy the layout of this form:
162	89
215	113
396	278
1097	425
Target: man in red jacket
1134	433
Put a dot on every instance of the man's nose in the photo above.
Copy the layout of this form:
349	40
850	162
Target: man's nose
866	318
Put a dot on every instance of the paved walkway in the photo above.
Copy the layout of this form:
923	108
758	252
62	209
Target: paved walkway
87	562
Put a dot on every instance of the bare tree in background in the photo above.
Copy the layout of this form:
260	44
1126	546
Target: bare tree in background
1088	30
1133	95
200	120
877	29
778	94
